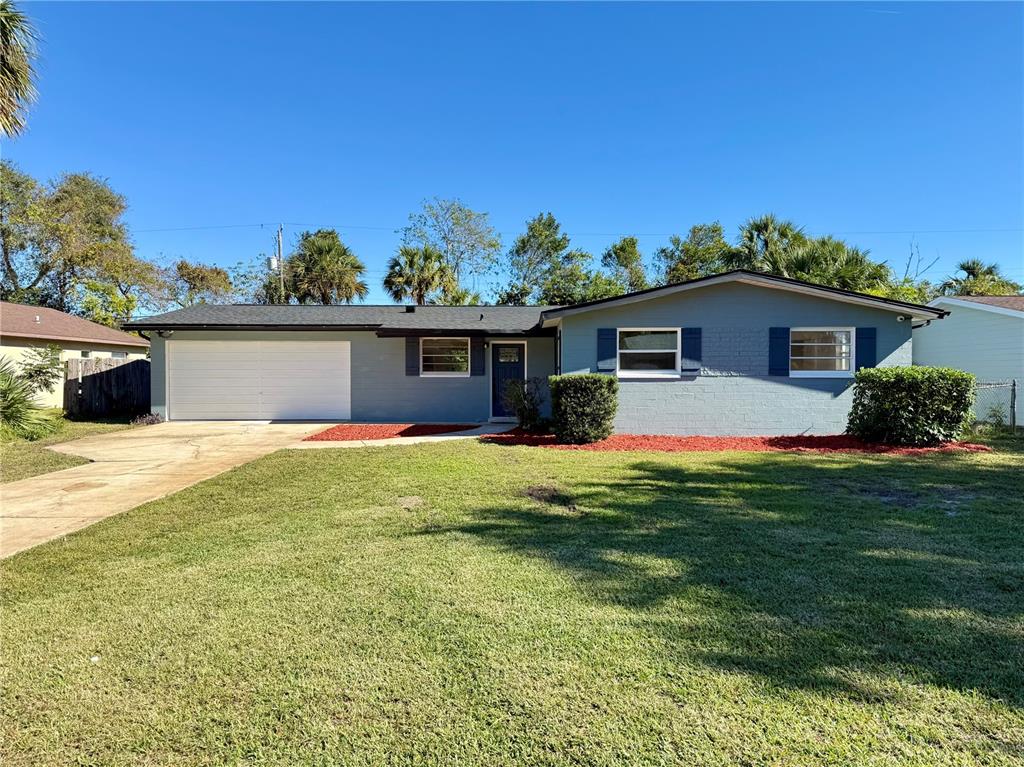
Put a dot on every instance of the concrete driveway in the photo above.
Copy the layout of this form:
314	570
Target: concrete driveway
130	468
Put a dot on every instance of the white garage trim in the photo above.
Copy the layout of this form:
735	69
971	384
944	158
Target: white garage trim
258	380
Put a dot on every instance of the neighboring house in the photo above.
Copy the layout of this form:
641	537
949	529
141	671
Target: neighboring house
736	353
983	335
24	327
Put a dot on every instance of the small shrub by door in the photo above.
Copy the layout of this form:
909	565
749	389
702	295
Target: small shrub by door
583	406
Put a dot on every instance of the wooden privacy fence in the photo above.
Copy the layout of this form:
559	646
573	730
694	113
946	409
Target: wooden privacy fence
95	387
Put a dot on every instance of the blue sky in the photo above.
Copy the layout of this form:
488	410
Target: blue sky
881	123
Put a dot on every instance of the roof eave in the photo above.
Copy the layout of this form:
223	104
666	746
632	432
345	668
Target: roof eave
235	326
979	305
140	343
916	311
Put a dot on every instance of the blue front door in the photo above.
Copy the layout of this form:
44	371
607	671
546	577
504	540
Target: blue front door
508	363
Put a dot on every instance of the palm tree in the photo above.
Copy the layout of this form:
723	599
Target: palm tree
765	243
419	274
17	56
828	261
980	279
459	296
322	270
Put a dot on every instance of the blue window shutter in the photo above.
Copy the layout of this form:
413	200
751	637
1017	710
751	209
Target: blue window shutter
778	351
476	356
867	348
691	351
412	356
607	349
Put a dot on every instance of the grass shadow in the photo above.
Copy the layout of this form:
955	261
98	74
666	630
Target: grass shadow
808	571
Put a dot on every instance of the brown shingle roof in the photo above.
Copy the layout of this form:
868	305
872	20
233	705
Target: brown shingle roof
1006	302
18	320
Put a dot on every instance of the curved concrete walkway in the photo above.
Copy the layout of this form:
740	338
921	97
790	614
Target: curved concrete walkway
130	468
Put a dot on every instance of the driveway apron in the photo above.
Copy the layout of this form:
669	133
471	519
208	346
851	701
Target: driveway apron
129	468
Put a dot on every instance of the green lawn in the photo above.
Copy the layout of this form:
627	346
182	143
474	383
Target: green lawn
475	604
20	459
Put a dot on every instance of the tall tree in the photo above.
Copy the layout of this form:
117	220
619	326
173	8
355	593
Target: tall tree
83	232
21	247
323	270
625	264
704	252
57	237
465	238
976	278
532	256
18	40
102	302
418	274
186	283
570	281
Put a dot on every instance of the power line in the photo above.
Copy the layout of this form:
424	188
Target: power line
198	228
571	234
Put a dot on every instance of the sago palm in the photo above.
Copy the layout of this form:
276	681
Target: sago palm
17	76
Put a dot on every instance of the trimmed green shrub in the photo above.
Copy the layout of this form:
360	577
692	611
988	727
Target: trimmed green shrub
525	399
911	405
583	406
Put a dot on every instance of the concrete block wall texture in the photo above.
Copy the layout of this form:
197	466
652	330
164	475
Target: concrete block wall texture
734	395
380	389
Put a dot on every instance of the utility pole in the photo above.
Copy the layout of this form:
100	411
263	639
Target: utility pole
280	259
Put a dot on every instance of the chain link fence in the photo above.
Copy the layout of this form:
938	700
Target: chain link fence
997	403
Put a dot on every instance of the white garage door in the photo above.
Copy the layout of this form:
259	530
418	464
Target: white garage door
258	380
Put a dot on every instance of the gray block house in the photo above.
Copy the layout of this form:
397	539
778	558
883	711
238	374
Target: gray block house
739	353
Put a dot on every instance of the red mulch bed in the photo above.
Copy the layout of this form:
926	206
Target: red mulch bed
668	444
344	432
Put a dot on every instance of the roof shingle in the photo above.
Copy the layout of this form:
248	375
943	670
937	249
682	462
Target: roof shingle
481	319
21	321
1006	302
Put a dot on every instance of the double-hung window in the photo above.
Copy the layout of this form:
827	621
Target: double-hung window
821	352
648	352
444	357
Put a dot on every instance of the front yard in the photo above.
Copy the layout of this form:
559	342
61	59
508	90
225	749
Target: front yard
475	604
20	458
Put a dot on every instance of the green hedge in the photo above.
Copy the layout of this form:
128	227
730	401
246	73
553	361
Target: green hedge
583	406
911	405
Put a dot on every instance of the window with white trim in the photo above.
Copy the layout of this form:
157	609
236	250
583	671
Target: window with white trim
648	352
821	352
119	355
444	357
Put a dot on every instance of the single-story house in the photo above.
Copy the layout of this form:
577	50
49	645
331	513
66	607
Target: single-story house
983	335
735	353
24	327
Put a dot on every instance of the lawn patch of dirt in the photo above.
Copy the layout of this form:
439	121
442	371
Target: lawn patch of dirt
669	444
551	495
345	432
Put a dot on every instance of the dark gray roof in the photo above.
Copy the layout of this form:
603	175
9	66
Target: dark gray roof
384	319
